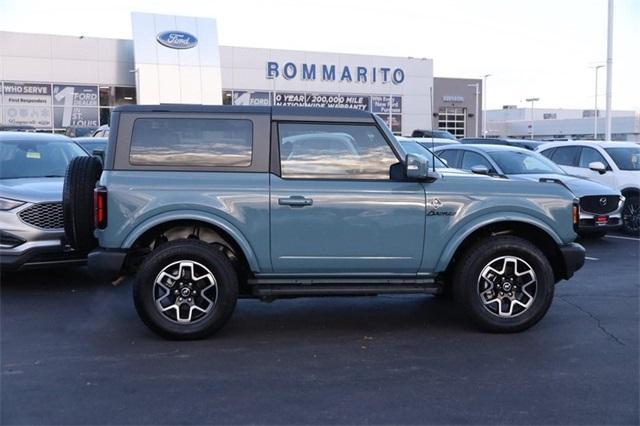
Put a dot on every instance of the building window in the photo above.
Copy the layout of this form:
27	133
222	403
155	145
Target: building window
549	116
452	119
112	96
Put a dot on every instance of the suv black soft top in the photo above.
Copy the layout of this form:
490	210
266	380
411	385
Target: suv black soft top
278	112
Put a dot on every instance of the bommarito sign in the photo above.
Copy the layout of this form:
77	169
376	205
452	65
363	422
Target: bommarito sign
329	72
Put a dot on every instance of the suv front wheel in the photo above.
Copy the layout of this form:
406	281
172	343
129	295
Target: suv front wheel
185	289
505	282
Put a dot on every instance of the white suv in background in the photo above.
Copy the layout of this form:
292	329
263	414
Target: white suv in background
616	164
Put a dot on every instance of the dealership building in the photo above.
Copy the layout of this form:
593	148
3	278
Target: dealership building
54	82
559	124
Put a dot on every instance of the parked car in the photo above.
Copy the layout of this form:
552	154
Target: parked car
440	134
520	143
32	169
615	164
432	142
206	203
90	144
101	132
76	132
600	205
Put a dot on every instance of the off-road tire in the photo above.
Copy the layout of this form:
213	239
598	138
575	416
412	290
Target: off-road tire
77	202
469	267
186	250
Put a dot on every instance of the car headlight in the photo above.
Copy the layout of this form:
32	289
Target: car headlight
8	204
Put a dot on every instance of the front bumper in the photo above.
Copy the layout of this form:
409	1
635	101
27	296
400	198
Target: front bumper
573	255
588	221
106	264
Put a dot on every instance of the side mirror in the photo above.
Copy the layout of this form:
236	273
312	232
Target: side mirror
416	167
480	170
597	166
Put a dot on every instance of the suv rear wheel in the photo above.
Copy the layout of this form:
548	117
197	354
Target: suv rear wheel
185	289
631	215
506	284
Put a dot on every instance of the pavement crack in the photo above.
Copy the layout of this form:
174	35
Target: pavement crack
596	319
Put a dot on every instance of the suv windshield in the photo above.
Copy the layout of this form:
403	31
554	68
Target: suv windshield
627	158
523	163
25	159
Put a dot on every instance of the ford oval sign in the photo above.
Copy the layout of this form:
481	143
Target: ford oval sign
177	39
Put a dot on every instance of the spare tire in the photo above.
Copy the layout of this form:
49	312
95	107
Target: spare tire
77	202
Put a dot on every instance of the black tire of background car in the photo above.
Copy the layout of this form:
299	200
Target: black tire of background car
471	263
631	203
215	260
592	234
77	202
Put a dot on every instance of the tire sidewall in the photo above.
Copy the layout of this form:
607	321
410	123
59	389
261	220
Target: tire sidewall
480	257
196	251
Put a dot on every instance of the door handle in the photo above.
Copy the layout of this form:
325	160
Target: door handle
295	201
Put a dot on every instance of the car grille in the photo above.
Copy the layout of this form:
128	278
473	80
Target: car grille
599	204
43	216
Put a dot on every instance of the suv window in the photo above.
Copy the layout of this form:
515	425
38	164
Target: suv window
451	156
589	155
470	159
334	151
565	155
191	142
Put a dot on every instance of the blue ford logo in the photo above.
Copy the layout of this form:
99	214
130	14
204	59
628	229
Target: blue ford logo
177	39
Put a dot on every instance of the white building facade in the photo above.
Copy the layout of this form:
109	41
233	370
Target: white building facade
53	82
558	124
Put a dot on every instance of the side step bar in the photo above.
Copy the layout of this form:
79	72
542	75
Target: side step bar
336	287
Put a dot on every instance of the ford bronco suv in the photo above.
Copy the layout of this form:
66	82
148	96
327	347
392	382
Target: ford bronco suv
205	204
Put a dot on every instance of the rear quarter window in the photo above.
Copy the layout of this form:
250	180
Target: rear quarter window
199	142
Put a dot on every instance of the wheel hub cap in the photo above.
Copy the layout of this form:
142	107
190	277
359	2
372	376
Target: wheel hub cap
195	292
507	286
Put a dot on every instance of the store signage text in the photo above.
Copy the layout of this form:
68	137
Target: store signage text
311	72
177	39
451	98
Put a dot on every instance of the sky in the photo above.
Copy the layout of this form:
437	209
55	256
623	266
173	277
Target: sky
531	48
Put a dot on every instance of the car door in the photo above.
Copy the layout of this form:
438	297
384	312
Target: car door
334	208
590	155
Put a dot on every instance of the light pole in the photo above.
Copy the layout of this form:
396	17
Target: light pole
484	105
477	86
595	109
532	100
607	133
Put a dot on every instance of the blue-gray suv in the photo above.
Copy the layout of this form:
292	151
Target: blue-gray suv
205	204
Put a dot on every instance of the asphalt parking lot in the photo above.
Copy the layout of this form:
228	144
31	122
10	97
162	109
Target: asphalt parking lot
75	352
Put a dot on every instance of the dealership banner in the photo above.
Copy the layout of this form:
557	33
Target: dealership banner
75	106
326	100
380	104
251	98
26	104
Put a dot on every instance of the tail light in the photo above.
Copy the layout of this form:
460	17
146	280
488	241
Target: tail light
576	215
100	207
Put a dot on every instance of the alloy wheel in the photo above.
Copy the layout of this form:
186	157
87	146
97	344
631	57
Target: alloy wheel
185	292
507	286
